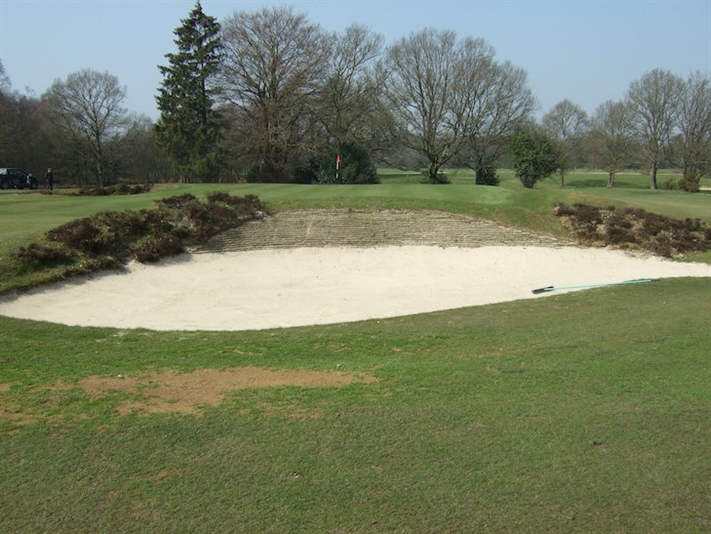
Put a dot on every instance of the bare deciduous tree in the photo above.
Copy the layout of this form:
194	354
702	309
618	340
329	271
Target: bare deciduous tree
274	64
695	128
86	108
507	104
5	84
425	94
450	97
7	111
566	124
141	159
654	101
612	137
350	98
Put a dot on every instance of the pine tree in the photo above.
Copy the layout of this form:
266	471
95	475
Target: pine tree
189	128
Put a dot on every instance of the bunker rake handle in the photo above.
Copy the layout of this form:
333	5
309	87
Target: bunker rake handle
553	288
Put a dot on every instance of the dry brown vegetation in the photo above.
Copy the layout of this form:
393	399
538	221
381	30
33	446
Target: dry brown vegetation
110	239
636	229
185	392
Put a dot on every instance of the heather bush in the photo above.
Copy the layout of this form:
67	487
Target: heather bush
42	253
156	247
121	189
91	265
109	239
82	236
635	228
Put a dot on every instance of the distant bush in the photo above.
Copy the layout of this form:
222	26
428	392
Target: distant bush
635	228
690	182
121	189
670	184
486	175
440	179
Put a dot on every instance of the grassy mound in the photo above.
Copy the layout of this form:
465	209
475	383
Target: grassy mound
109	239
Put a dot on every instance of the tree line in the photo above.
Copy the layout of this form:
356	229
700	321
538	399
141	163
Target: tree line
268	96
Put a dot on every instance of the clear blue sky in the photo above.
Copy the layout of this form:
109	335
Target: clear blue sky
585	51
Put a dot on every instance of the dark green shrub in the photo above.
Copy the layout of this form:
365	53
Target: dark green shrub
690	183
441	179
670	184
268	173
355	166
486	175
533	156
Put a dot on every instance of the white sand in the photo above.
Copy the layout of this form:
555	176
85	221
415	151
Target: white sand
294	287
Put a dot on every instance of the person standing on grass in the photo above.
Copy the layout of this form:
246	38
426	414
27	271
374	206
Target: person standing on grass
49	178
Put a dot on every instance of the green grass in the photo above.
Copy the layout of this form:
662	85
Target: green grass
581	412
25	214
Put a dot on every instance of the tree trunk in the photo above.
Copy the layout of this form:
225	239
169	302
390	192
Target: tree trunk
100	174
433	171
610	179
653	177
562	178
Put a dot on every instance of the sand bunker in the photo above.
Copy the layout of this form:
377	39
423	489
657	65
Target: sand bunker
260	289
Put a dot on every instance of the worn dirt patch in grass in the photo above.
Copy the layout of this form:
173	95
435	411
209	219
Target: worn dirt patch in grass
172	391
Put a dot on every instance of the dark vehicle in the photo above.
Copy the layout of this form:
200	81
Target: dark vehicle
12	178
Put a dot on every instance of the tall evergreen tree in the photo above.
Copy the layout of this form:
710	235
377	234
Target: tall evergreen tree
189	128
